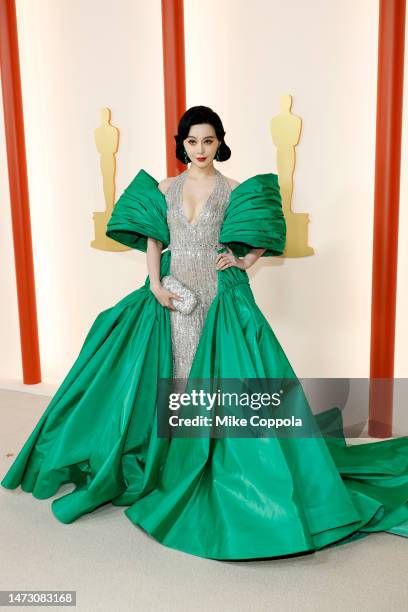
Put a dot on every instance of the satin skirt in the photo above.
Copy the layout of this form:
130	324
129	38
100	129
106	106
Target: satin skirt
219	498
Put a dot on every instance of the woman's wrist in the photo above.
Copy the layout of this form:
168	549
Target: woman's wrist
155	284
250	258
245	263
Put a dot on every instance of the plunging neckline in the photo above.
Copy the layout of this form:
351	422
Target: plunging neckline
203	208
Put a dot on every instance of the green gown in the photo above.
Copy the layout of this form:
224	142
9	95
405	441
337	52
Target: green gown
219	498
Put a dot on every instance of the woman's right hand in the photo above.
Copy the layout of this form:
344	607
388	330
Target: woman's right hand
164	296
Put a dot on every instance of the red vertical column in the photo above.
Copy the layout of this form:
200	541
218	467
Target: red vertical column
386	212
18	185
174	76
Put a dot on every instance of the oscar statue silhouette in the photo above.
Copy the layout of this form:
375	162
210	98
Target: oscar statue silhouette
285	129
106	139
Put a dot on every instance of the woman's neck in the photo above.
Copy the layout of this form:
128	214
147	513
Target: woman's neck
201	173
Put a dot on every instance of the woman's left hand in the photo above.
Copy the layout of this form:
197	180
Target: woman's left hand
227	260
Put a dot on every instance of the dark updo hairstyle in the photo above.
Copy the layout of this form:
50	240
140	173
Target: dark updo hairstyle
193	116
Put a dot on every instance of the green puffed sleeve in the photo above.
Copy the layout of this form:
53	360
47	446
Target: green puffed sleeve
140	212
254	217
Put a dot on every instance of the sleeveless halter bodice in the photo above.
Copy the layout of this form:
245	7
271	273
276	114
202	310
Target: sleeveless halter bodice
193	249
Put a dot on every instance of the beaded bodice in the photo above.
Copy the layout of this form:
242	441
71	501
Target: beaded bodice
204	231
193	248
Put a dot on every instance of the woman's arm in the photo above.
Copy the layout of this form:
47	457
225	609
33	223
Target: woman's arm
226	260
154	249
251	257
240	262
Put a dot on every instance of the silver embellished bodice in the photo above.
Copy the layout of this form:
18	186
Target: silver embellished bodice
193	249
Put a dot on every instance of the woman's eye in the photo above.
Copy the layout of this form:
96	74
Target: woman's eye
192	142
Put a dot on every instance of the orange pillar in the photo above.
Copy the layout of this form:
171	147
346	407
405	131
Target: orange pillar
174	75
18	185
386	212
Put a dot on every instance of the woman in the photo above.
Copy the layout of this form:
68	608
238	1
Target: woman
216	497
195	230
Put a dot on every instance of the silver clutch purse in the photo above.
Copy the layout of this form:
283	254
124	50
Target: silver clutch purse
190	299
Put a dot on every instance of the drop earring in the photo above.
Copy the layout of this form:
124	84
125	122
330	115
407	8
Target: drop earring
186	158
217	156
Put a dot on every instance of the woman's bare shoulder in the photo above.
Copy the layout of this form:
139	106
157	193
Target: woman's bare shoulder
165	183
233	183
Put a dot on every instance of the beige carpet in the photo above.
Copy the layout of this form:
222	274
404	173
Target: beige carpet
113	565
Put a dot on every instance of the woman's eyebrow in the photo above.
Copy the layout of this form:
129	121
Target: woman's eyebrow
204	137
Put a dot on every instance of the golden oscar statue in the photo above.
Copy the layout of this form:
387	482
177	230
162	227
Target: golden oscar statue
106	139
285	129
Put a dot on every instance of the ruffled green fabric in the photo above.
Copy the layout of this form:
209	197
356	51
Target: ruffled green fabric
253	216
219	498
140	212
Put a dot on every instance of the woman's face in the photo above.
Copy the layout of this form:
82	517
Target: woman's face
201	144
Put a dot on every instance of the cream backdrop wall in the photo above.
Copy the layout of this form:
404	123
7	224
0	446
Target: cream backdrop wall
240	57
